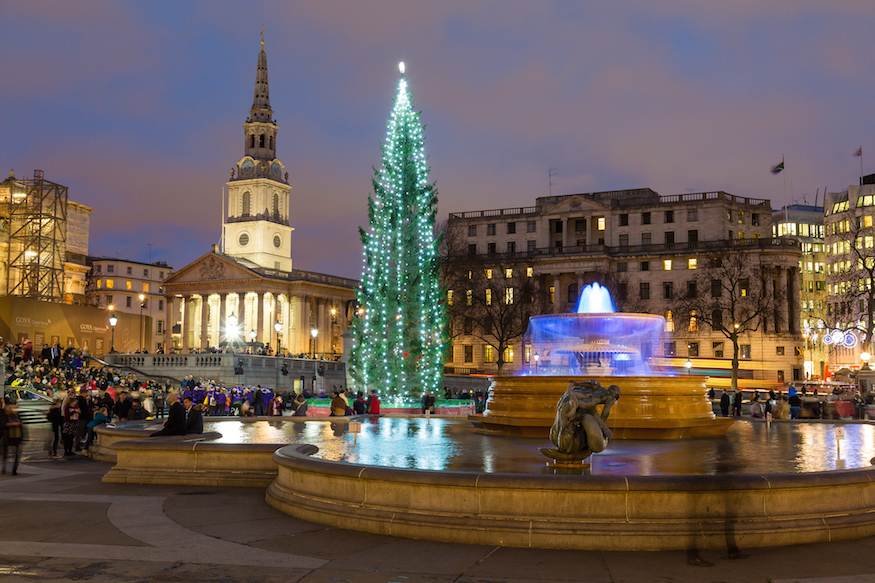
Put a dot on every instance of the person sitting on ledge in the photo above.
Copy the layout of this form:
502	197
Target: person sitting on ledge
194	419
175	423
338	405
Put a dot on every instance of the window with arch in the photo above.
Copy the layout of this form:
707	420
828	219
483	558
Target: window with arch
247	205
276	205
251	140
261	141
271	142
694	321
669	321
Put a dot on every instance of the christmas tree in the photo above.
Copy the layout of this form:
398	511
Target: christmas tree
399	332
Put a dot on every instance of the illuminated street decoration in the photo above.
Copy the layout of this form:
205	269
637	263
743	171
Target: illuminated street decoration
398	335
840	338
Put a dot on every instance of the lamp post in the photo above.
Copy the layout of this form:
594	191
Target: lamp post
277	326
865	358
112	322
252	336
142	304
537	358
688	365
314	332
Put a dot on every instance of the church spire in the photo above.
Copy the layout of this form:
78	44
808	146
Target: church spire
261	111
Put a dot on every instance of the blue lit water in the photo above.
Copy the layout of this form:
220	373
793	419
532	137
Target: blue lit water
451	444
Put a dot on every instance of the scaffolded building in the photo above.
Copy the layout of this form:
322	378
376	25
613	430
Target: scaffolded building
33	226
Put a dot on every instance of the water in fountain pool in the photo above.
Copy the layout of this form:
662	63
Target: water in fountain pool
451	444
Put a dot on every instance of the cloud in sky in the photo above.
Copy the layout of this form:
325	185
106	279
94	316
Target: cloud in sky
139	107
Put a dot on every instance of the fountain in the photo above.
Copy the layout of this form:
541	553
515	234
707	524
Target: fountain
597	343
439	479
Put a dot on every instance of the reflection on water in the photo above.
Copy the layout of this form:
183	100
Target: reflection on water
451	444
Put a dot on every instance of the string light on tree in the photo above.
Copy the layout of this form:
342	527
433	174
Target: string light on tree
399	334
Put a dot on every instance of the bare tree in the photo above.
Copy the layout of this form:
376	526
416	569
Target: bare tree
490	297
733	294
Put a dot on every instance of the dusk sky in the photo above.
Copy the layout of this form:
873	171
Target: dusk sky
138	107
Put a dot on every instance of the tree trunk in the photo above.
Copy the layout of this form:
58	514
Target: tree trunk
734	363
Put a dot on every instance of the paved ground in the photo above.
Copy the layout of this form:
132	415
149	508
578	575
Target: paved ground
58	522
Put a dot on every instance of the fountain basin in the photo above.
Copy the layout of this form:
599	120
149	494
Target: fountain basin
650	407
570	512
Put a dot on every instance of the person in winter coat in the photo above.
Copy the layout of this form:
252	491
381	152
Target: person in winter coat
13	435
56	418
100	418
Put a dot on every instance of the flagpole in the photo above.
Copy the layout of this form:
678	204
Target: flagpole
861	165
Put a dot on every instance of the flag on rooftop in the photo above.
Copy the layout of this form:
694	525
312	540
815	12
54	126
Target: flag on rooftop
859	152
777	168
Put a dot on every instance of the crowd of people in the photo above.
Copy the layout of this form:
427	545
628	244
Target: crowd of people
784	406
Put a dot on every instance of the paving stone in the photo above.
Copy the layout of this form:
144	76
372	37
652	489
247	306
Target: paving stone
537	564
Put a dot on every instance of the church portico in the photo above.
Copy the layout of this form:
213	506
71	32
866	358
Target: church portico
257	310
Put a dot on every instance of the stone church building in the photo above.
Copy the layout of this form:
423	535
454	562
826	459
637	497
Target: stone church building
245	290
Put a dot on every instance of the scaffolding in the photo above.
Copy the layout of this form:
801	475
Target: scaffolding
34	217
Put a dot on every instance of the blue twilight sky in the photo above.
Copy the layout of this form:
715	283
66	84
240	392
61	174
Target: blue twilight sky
138	106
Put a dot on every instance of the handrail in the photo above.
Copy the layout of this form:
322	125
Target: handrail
131	368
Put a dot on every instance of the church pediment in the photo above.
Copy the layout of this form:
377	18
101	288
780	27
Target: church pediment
575	204
211	267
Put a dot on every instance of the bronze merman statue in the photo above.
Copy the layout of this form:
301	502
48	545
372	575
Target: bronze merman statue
579	429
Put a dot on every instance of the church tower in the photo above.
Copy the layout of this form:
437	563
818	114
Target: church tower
257	222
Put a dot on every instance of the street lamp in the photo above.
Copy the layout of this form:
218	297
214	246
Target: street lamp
865	358
112	322
278	327
537	358
314	332
688	365
252	336
142	303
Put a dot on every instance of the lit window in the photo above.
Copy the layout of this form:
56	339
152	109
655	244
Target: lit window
488	274
692	263
146	287
552	293
110	283
508	354
99	284
669	321
508	273
694	322
508	296
666	264
867	221
601	223
470	296
530	271
488	297
488	353
449	297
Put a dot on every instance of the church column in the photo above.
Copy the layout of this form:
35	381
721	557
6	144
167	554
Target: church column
185	308
168	323
223	298
566	224
556	295
324	330
259	317
205	308
241	316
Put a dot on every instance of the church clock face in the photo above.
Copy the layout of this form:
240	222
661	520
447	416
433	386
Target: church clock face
275	169
247	167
